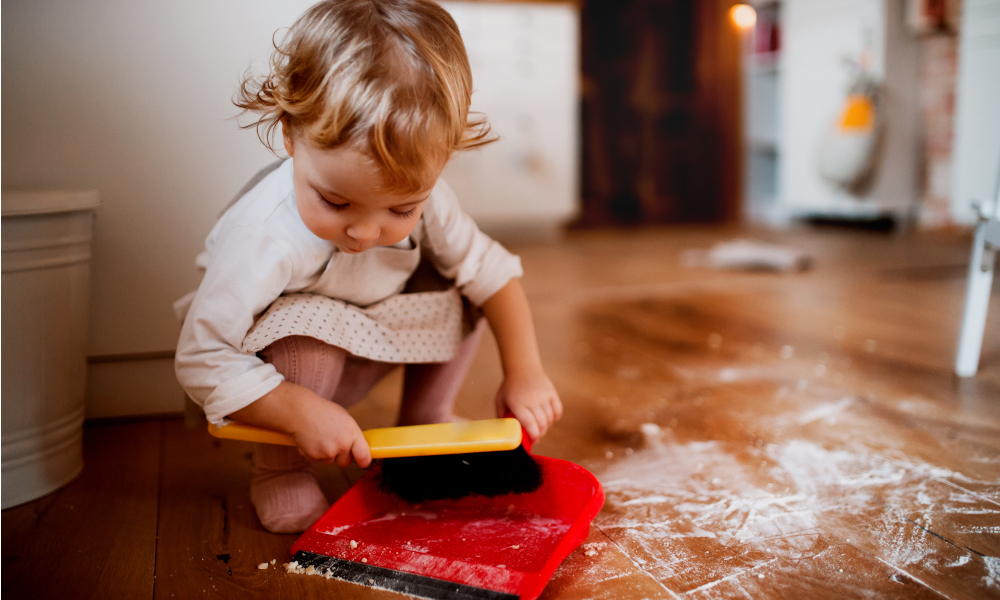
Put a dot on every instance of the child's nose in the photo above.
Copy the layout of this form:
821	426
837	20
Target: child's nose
363	231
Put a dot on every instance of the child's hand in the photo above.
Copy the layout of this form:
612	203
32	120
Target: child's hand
526	389
323	430
328	433
532	398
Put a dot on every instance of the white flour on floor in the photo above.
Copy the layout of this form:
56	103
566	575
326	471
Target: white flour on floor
803	499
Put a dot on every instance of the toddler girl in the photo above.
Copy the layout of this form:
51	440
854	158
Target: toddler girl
301	309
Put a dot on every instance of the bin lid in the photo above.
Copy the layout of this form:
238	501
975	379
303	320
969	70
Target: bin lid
36	203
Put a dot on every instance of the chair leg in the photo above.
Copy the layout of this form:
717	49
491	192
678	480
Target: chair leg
977	300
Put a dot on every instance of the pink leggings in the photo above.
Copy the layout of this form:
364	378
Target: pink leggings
429	390
282	488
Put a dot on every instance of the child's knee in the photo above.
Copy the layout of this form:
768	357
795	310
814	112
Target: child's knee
308	362
299	347
359	377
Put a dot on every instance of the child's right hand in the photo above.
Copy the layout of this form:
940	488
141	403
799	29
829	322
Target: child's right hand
330	434
323	430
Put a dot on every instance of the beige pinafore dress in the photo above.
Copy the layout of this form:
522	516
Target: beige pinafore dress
409	327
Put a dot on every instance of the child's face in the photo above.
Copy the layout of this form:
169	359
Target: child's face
339	198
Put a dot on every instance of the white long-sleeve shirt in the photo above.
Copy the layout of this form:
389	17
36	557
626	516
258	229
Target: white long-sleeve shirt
261	249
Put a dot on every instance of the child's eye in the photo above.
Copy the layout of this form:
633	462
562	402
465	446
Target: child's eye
405	214
335	205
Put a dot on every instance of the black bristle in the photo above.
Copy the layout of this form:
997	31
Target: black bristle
453	476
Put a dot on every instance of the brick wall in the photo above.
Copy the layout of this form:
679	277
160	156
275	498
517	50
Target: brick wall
938	76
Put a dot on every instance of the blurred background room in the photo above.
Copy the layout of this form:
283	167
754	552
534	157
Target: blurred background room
758	241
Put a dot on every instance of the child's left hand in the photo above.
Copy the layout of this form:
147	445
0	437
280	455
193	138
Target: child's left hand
532	398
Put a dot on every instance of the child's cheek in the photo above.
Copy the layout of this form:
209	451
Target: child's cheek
401	230
320	224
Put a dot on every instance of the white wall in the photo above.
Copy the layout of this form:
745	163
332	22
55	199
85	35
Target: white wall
132	98
976	158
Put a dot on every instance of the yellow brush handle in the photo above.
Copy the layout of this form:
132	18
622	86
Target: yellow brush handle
417	440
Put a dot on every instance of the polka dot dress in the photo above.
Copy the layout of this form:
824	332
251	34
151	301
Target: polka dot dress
406	328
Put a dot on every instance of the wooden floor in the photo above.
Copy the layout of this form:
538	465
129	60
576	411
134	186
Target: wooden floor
758	436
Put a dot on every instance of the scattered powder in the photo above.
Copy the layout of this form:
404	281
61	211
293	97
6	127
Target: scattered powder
647	500
651	433
992	580
741	373
592	548
729	375
825	411
674	491
294	567
962	560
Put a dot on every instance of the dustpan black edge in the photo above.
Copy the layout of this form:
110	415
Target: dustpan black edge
396	581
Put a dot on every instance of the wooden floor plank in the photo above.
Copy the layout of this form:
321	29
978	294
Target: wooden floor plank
96	537
211	542
750	435
803	427
601	570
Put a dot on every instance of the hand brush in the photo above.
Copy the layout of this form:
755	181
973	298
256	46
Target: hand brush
439	461
453	476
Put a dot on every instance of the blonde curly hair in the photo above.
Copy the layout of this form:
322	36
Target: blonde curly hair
390	78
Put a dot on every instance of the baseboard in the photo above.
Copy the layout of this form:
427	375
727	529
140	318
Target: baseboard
124	386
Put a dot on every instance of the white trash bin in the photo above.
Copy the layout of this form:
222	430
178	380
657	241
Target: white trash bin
46	282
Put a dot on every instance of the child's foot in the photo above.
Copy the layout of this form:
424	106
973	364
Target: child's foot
284	490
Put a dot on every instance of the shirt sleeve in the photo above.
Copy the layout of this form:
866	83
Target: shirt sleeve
246	272
479	265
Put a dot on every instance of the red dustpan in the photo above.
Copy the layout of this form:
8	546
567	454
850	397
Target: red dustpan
506	547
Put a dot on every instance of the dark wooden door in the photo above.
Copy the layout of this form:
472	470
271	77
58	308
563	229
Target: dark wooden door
661	112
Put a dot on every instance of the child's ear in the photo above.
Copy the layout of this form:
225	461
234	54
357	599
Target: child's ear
286	136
